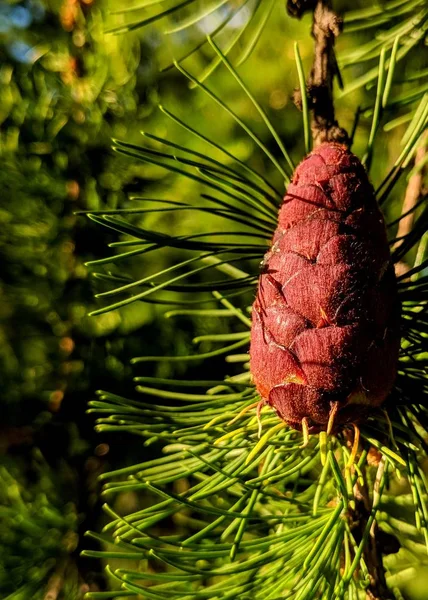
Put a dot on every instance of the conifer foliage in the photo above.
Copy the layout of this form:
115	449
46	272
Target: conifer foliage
241	504
224	494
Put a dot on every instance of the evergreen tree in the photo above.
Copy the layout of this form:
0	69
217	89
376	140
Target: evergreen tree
209	494
239	506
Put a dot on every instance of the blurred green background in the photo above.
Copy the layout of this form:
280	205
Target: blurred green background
67	87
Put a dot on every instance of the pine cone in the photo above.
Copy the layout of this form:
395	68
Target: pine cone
326	319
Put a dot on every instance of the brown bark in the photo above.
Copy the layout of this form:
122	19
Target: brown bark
377	589
327	25
413	194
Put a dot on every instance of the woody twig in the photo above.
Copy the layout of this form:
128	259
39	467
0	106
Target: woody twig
327	25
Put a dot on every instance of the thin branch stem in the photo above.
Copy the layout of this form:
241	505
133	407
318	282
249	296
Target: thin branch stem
377	589
413	194
327	25
411	200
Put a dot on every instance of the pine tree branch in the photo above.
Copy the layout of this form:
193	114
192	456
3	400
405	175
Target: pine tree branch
327	25
377	589
414	191
413	194
55	583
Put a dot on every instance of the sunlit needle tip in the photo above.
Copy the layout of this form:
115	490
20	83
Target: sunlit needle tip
331	417
305	432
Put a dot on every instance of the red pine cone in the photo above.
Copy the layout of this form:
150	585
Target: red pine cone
326	320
